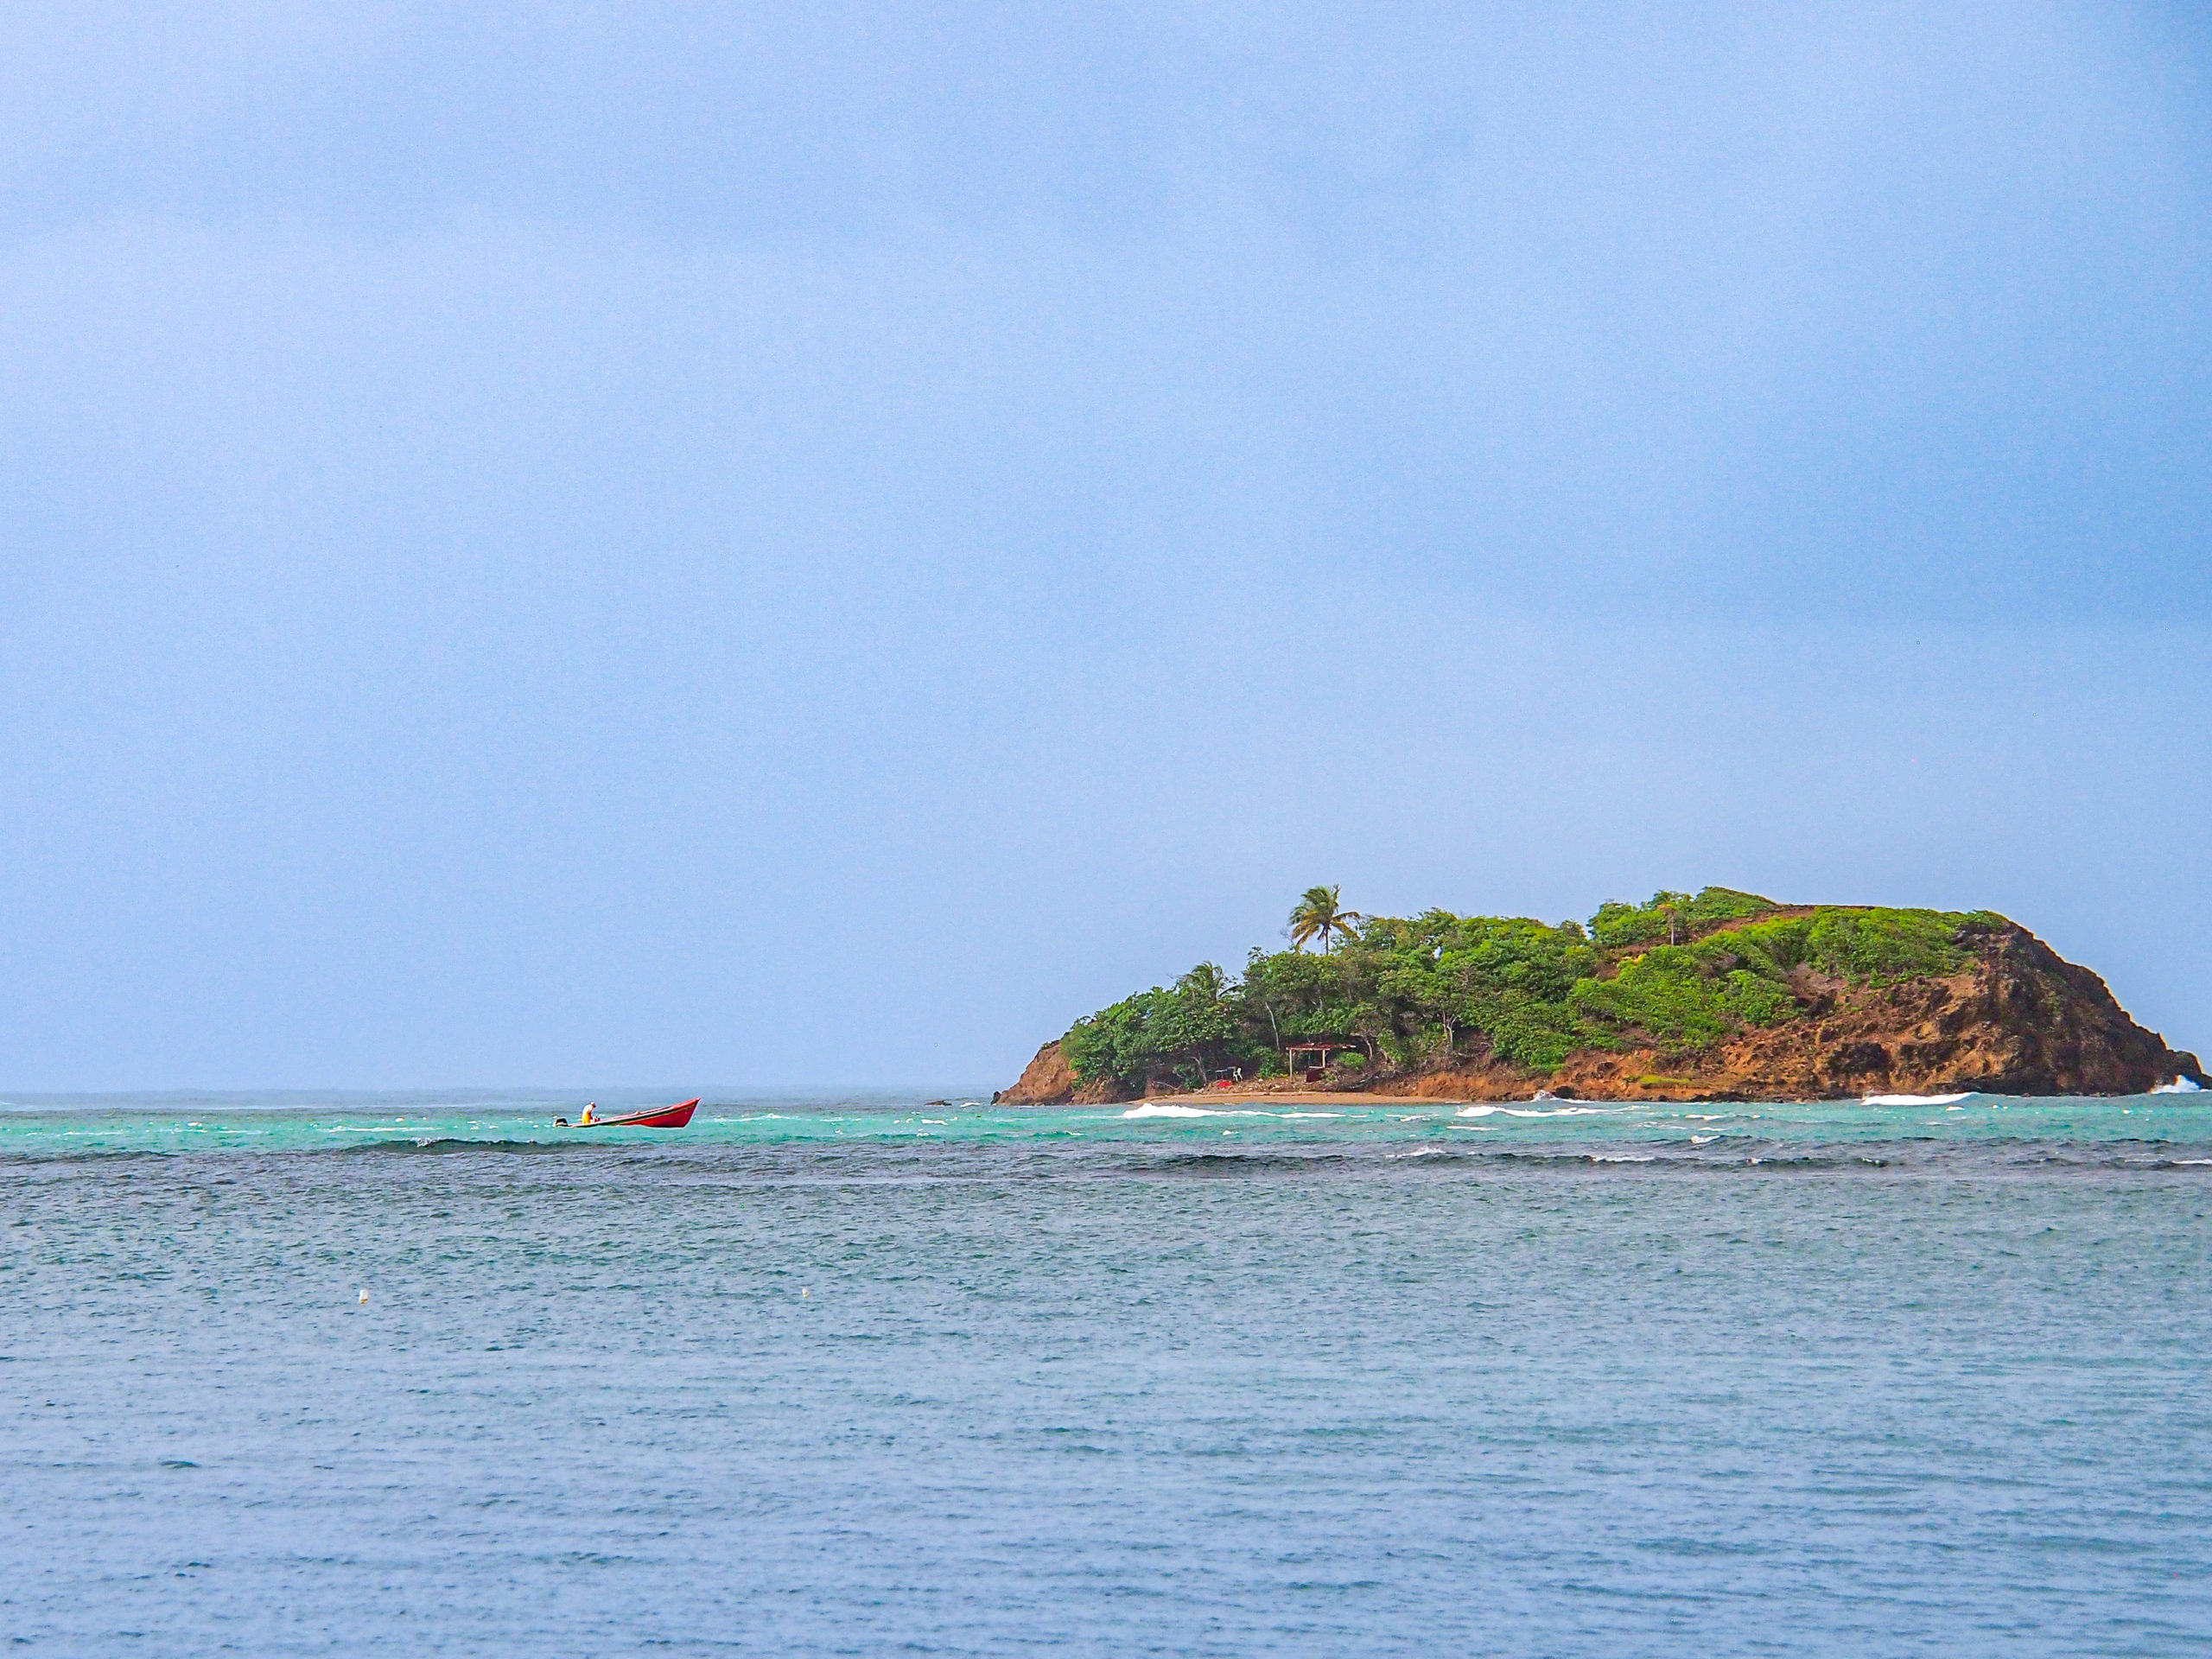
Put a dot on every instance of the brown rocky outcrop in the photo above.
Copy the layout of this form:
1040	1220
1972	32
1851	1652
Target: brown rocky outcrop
1049	1080
2018	1019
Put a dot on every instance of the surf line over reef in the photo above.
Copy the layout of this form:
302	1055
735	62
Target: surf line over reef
1719	995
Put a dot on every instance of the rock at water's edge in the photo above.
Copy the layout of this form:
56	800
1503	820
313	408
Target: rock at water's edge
1047	1081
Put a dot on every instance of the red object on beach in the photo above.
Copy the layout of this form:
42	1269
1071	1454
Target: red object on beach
668	1117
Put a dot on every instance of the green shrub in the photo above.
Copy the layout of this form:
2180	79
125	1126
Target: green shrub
1664	992
1864	944
1687	915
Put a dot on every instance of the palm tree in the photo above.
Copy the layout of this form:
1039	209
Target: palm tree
1320	912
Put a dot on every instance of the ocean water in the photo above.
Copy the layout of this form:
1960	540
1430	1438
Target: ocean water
859	1375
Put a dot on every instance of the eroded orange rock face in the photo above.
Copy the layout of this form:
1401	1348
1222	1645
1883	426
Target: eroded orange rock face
1049	1080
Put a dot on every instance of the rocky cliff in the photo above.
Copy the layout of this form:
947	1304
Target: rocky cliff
2020	1020
1049	1080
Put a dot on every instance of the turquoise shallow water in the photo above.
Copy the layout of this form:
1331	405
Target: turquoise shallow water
1952	1130
859	1375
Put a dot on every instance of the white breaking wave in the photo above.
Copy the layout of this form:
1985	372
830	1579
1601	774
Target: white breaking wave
1914	1100
2180	1086
1152	1110
1514	1111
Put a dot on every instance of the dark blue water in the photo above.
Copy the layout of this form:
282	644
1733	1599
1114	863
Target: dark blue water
1808	1380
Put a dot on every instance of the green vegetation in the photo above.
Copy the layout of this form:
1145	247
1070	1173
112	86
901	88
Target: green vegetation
1672	916
1681	972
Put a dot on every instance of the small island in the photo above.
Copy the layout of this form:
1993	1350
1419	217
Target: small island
1713	995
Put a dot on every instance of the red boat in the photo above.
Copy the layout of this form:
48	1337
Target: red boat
665	1117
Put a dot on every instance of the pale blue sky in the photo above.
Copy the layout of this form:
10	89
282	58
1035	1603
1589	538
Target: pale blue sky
714	544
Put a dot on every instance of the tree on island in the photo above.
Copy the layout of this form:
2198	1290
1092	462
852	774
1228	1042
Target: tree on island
1320	913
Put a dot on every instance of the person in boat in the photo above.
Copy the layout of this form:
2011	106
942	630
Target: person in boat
586	1116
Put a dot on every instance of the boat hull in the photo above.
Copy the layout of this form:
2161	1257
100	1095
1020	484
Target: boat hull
667	1118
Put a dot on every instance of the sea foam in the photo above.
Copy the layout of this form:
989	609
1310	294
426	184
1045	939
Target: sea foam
1152	1110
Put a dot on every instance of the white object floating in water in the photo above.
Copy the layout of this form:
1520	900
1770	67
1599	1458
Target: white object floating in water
2180	1086
365	1296
802	1292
